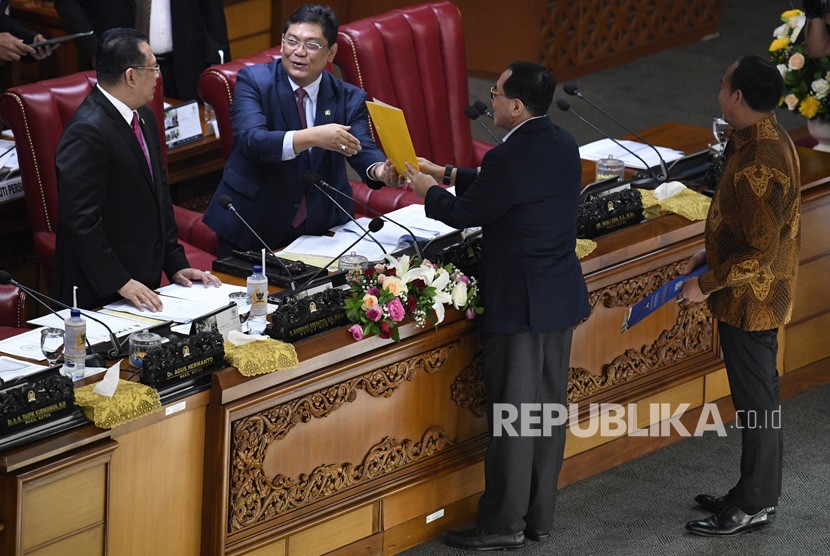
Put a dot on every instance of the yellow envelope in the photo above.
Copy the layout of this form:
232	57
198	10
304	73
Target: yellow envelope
394	136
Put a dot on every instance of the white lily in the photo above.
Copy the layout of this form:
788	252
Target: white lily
442	278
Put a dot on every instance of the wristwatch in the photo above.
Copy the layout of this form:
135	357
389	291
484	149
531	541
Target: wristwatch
447	174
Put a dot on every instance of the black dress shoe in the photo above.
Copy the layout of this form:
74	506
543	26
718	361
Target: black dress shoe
731	521
473	539
536	535
714	504
717	504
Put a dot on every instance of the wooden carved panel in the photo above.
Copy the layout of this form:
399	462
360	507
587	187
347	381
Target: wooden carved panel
467	389
254	497
581	37
691	334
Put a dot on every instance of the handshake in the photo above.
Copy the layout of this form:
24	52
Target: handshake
816	8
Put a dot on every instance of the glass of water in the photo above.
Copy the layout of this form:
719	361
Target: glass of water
51	344
720	129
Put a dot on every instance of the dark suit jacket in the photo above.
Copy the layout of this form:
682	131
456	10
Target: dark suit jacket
14	27
525	198
199	32
266	190
116	222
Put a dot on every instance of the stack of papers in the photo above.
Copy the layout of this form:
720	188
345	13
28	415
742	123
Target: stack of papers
391	237
606	147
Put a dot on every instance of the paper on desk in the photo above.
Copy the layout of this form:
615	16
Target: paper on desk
331	246
11	368
198	292
95	332
8	155
25	345
605	147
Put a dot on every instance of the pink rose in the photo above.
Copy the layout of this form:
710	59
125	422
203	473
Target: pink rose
470	314
356	331
373	291
374	314
396	310
464	278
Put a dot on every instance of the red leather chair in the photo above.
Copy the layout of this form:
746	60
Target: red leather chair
414	58
37	114
12	311
216	87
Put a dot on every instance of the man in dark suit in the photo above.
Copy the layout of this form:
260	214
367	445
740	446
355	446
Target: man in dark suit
291	118
117	232
15	39
525	198
192	34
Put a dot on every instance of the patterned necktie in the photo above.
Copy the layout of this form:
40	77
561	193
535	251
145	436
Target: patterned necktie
142	16
302	211
140	137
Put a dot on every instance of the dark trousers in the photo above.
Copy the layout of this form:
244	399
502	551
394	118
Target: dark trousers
521	472
750	359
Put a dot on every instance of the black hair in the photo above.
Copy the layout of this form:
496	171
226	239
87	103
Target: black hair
531	83
323	16
117	50
759	81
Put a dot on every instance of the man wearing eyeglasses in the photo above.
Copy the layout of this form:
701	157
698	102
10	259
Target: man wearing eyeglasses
291	118
117	233
525	199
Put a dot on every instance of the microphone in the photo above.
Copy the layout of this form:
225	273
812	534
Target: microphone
418	252
474	111
226	203
374	226
573	90
315	180
482	109
645	183
6	278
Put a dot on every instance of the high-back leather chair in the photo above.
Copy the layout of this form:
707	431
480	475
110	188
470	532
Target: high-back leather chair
37	114
12	310
414	58
216	87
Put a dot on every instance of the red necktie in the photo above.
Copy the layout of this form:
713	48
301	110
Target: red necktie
302	212
140	137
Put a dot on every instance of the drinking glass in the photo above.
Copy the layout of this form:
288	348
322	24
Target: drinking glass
51	344
720	130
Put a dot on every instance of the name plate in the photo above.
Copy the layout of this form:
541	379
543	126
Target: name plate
34	400
609	212
190	357
299	318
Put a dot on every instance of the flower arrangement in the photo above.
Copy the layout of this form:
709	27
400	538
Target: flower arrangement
806	79
383	295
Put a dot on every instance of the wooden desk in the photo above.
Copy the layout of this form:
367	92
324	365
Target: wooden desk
354	448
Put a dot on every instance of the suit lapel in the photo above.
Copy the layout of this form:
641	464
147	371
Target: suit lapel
290	111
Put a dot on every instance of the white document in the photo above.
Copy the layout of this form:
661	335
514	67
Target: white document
25	345
174	308
95	332
198	292
605	147
15	368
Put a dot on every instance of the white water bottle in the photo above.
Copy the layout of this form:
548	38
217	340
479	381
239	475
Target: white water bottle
74	351
258	292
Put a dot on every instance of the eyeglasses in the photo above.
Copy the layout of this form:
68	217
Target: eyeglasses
494	93
155	68
294	43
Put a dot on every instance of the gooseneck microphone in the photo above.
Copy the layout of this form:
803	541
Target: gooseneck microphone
375	224
644	183
314	180
474	111
226	203
418	252
482	109
573	90
115	350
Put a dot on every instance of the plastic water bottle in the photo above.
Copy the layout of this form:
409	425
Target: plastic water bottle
258	292
74	351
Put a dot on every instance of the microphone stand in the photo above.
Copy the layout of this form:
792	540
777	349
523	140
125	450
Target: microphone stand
374	226
473	112
573	90
226	203
316	185
645	183
418	252
115	351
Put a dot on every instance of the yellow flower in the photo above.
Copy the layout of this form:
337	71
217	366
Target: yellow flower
809	107
790	13
779	44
